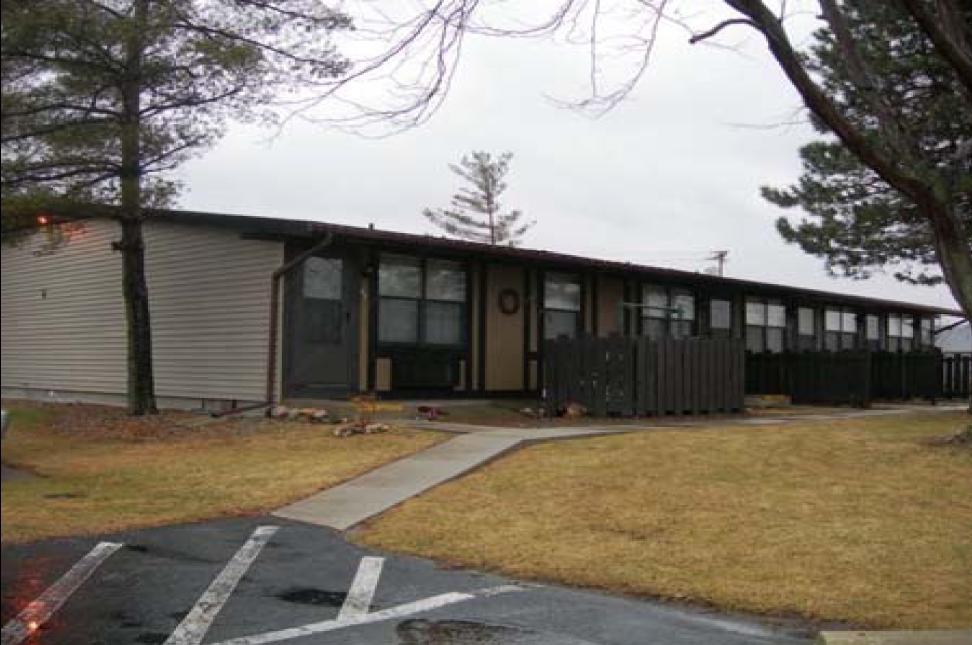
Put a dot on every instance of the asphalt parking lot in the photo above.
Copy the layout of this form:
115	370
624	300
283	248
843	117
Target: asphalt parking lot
266	580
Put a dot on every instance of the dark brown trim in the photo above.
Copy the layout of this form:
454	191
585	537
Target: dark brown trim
468	375
481	341
595	308
372	278
280	229
527	307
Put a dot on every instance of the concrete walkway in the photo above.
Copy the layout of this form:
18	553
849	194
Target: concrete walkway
373	493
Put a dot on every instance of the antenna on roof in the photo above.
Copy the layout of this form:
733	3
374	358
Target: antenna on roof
720	258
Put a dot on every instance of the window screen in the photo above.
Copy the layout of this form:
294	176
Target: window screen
755	313
400	276
445	281
873	327
720	312
562	305
805	321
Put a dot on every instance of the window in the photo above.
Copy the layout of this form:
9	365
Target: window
670	313
840	326
765	325
421	302
805	321
720	317
927	335
907	333
894	332
872	329
806	329
561	305
445	303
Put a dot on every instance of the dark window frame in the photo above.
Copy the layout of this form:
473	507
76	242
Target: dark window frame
669	320
422	301
721	331
765	333
577	314
842	339
899	341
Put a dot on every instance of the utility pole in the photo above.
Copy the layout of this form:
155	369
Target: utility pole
720	257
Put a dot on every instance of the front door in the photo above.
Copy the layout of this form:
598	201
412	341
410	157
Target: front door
322	298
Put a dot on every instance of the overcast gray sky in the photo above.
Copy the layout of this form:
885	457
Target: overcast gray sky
665	178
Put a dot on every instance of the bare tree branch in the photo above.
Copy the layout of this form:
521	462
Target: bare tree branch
709	33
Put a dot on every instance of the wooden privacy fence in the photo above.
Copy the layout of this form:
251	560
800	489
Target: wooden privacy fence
811	378
957	376
857	377
621	376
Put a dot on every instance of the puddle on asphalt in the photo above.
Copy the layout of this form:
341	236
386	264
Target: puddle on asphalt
462	632
311	596
151	638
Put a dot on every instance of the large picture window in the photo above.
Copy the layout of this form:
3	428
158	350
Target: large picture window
421	302
670	313
765	325
561	305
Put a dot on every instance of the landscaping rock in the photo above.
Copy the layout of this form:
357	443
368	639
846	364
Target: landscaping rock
346	431
575	410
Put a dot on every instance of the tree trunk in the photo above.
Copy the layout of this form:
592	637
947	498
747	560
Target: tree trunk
141	379
954	255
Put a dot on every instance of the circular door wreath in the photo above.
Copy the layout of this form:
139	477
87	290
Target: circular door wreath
509	302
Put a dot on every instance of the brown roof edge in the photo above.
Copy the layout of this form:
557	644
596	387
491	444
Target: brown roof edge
289	228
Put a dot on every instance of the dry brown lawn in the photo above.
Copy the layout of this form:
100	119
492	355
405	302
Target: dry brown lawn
101	471
858	521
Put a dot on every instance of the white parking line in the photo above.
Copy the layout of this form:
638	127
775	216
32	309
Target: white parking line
401	611
197	622
362	591
40	610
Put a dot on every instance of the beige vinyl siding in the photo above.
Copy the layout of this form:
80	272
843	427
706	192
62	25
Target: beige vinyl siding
209	296
62	314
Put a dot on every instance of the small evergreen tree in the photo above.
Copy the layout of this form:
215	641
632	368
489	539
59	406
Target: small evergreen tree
476	213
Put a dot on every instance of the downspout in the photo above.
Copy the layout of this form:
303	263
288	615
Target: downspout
275	278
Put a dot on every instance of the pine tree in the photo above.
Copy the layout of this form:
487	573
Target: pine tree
476	213
855	220
101	99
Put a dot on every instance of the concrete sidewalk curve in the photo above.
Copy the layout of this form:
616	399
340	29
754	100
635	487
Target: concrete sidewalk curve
375	492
